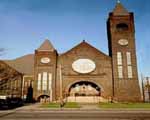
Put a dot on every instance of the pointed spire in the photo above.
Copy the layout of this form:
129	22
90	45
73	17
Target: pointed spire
46	46
119	9
118	1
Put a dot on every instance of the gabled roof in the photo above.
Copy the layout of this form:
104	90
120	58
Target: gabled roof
82	45
46	46
24	64
120	10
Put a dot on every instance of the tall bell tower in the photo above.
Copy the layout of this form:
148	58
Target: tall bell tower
121	42
45	62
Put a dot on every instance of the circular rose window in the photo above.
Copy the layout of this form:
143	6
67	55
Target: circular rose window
123	42
83	66
45	60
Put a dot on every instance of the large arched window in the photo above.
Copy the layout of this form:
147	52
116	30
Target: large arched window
84	88
122	27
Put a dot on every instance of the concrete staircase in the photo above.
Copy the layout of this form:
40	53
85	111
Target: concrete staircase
86	99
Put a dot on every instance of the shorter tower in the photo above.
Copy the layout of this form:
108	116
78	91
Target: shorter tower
45	71
121	41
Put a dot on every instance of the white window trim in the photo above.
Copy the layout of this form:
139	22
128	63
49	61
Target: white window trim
44	81
120	65
120	71
128	58
39	81
130	74
50	81
119	58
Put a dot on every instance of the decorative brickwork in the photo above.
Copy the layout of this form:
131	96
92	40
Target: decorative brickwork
84	68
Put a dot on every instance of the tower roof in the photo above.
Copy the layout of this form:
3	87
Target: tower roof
46	46
120	10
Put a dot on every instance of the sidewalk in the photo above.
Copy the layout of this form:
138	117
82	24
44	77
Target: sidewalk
36	107
30	107
84	107
6	112
87	106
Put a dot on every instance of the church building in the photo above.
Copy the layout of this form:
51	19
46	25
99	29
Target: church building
82	71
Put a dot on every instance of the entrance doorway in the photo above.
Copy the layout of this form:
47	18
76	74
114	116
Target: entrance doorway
84	88
43	98
84	91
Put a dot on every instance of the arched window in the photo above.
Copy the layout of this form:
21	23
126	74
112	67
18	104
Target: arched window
122	27
84	88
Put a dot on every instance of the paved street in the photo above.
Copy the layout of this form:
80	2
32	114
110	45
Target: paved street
74	115
88	112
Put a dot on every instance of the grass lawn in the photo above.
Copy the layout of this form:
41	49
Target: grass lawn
125	105
71	105
50	105
57	105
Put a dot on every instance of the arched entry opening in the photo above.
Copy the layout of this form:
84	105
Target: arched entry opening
43	98
84	88
84	91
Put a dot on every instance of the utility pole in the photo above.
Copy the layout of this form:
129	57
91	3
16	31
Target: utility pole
143	90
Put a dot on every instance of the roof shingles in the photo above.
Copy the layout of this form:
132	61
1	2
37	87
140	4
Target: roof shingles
46	46
120	10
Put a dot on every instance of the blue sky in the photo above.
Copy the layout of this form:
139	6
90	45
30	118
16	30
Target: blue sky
24	24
